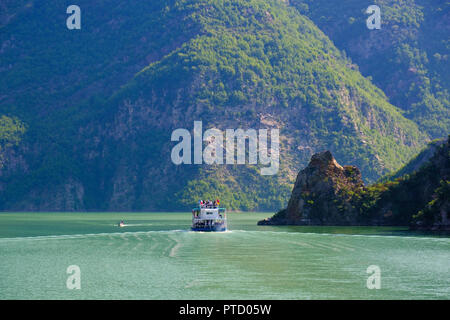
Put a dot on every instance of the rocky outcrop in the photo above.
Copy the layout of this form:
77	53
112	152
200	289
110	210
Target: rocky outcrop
322	194
326	193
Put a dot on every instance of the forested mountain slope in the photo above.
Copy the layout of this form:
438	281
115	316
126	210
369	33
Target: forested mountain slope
408	58
93	110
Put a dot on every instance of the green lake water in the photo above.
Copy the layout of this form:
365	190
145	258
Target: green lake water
155	256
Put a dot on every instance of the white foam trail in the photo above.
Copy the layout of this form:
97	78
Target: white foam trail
135	224
87	235
254	232
303	244
174	250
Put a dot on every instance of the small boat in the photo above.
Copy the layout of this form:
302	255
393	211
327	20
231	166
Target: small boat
121	224
209	218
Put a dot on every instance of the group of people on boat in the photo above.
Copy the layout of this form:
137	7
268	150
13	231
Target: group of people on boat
209	203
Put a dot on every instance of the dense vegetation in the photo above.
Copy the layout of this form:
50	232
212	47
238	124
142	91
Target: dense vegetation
416	162
100	103
11	132
432	213
419	198
408	58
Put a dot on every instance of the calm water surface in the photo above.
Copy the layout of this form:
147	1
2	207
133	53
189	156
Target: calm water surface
156	257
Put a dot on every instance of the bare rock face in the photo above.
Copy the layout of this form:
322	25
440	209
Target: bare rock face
322	194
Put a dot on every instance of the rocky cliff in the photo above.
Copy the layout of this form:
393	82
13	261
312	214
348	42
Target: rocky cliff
326	193
322	194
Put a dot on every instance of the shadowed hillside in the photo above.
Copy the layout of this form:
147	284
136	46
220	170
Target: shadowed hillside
99	104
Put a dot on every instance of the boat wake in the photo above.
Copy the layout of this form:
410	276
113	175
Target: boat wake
239	232
123	235
135	224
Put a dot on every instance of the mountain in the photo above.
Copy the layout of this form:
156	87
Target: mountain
421	198
88	114
326	193
408	58
417	162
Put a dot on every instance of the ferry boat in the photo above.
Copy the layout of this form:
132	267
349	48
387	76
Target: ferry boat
209	218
